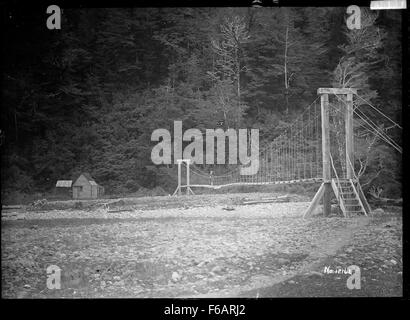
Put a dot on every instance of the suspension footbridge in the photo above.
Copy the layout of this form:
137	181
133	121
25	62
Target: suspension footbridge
317	147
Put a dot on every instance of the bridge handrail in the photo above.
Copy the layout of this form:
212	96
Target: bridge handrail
351	165
337	177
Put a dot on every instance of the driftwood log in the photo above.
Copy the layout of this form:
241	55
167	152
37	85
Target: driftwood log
10	207
386	201
268	200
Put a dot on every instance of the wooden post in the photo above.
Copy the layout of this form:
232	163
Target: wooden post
178	190
349	137
188	161
179	161
327	178
316	199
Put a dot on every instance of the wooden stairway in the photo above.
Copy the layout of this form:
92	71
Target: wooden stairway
348	197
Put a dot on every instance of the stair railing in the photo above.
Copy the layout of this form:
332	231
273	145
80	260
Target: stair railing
359	186
334	170
351	166
338	187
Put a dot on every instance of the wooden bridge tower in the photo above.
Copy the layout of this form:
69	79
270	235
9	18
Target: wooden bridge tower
347	189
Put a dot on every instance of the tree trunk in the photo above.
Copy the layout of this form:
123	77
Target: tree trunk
238	78
286	70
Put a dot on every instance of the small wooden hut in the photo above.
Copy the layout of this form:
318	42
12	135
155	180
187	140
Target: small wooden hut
63	188
85	187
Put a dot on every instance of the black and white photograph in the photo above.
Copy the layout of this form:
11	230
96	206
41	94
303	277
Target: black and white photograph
181	152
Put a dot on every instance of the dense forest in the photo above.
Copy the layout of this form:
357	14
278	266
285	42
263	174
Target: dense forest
86	98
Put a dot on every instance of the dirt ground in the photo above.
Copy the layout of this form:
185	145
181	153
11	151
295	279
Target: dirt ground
213	247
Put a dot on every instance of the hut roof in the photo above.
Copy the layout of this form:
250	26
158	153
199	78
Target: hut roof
64	183
90	179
